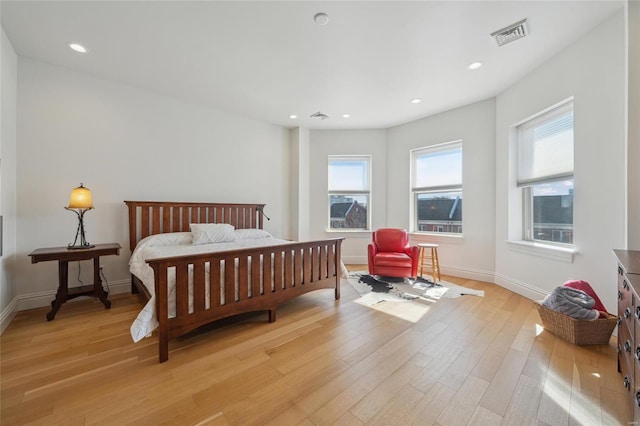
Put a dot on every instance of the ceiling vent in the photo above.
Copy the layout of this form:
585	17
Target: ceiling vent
511	33
319	115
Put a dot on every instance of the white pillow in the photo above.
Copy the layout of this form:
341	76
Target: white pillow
166	239
252	234
207	233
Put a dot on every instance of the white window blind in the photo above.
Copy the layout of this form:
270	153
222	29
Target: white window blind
545	147
437	168
349	173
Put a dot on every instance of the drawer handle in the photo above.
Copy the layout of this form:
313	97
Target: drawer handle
619	295
638	352
638	398
627	346
619	270
627	383
625	284
619	321
627	313
638	312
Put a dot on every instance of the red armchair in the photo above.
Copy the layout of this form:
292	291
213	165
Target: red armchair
390	254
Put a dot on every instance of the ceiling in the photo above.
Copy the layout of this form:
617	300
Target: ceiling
268	60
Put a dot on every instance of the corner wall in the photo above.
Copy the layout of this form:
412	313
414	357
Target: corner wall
125	143
633	123
591	70
8	160
472	254
300	195
347	142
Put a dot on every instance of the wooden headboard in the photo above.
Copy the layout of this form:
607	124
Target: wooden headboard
158	217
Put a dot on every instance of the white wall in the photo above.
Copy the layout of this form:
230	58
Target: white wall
8	96
128	144
591	70
471	256
300	195
347	142
633	122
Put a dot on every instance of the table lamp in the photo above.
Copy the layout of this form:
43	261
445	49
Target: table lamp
79	203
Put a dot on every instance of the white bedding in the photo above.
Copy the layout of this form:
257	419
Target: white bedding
176	244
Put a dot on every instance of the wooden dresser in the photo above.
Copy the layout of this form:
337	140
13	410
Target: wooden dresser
629	325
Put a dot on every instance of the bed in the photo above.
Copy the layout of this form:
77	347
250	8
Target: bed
195	285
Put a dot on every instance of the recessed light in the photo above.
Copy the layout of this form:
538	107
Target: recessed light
321	18
293	116
475	65
346	115
416	100
77	47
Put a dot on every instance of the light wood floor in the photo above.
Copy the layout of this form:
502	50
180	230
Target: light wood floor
471	360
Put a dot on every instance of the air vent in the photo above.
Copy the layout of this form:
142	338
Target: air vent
511	33
319	115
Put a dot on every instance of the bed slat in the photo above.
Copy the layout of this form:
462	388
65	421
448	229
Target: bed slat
144	226
229	281
215	291
154	217
288	269
199	285
182	288
277	272
297	267
255	276
243	278
266	276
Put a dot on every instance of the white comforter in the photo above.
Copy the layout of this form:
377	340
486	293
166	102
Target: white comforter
176	244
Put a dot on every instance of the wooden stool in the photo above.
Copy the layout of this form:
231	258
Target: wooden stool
429	257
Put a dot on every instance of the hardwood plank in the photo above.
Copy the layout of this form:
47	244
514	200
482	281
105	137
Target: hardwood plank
368	406
460	361
429	408
523	405
497	396
555	401
464	402
392	412
485	417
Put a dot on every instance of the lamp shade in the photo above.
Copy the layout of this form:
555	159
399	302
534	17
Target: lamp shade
80	198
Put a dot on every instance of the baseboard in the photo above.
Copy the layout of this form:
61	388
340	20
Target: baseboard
355	260
520	287
8	314
470	274
514	285
44	298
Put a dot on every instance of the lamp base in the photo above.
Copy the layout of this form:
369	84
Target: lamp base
87	246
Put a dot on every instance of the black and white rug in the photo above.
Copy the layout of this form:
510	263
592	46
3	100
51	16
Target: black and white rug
375	289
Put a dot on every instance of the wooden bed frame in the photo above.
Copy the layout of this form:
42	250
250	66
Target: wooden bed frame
293	269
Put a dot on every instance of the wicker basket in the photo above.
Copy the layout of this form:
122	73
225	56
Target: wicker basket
578	332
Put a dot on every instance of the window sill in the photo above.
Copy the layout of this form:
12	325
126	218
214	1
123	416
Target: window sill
548	251
354	233
423	237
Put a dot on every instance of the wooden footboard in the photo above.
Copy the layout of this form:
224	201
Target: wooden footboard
246	280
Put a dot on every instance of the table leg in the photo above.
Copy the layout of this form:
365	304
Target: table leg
61	295
98	291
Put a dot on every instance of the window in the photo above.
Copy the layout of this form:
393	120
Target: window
545	174
436	185
349	192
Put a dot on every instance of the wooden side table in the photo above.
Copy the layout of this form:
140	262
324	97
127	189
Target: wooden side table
63	255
